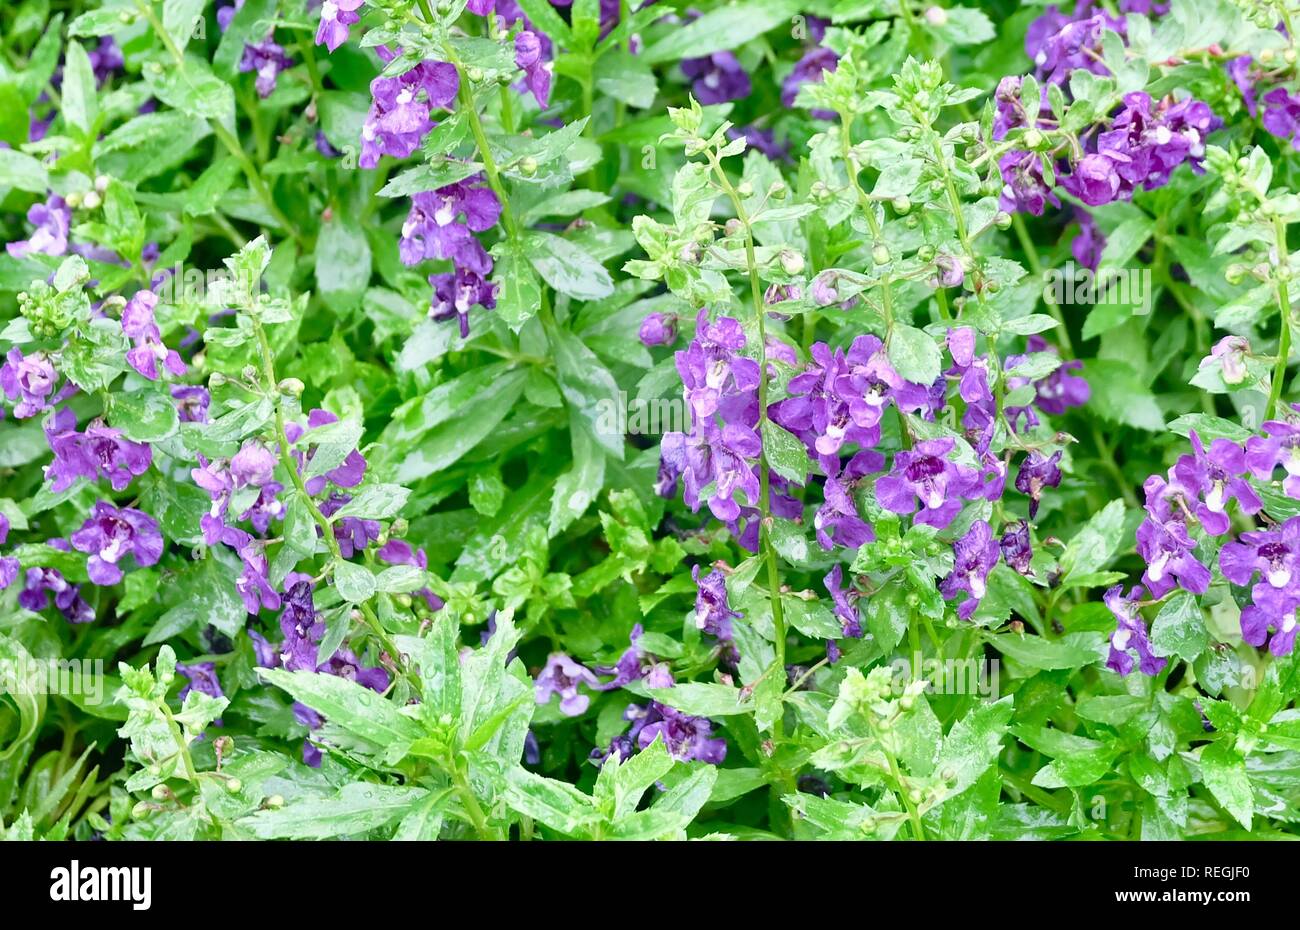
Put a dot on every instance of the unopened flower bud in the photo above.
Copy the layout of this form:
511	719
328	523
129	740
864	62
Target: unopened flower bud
880	254
745	189
141	810
1002	219
234	785
902	205
1235	273
936	16
102	182
73	200
791	261
733	227
91	200
528	166
291	386
161	792
778	190
474	73
1033	139
275	801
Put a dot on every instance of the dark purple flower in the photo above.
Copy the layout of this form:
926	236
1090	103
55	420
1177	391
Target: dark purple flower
1024	190
30	380
810	69
191	402
1094	180
686	738
1281	116
1088	245
345	664
713	614
635	664
1038	471
1274	553
1130	634
974	556
845	601
537	71
105	59
302	628
716	78
837	521
139	326
925	472
1016	549
400	552
761	140
354	534
41	582
562	676
455	293
201	677
266	59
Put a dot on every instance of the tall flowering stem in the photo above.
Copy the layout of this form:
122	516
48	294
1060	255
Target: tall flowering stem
1280	279
764	473
327	528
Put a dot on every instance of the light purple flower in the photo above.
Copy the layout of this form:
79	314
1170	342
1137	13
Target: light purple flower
1130	634
925	472
266	59
974	556
713	614
139	326
658	329
1271	609
1217	476
52	220
30	380
335	18
562	676
845	601
537	71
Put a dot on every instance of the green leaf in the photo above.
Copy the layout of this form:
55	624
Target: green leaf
973	744
23	172
518	294
358	808
355	583
374	502
146	415
342	264
1223	770
1179	628
556	804
785	454
1094	546
914	354
80	100
702	699
567	267
1070	651
577	488
353	708
724	28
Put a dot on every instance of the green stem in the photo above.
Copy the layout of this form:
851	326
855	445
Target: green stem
1036	266
179	738
1284	304
469	801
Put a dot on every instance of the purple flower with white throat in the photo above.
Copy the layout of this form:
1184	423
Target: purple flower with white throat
1017	551
1166	547
1130	634
562	676
335	18
687	738
1217	476
845	601
52	220
457	292
635	664
191	402
434	228
925	472
400	110
1279	446
266	59
110	534
974	556
1273	553
1271	609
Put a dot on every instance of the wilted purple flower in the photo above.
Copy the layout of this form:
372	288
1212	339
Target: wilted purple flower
845	600
713	614
1130	634
139	326
974	556
266	59
301	626
52	220
537	72
716	78
810	69
1016	549
658	329
109	534
98	452
925	471
1038	471
335	18
1023	188
1217	476
191	402
29	380
562	676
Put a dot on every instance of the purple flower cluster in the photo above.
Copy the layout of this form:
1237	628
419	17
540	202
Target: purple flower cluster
686	738
110	534
29	380
401	107
99	452
139	326
40	583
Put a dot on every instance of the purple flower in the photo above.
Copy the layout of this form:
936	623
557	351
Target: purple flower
1217	475
1274	553
686	738
29	380
433	228
345	664
810	69
837	521
52	220
1088	245
253	465
98	452
191	402
267	59
562	676
335	18
1094	180
722	458
400	110
455	293
1023	188
635	665
1281	446
354	534
201	677
974	556
1239	69
1166	547
41	582
925	472
105	59
1230	352
713	614
716	78
139	326
301	626
658	329
1130	634
537	72
1275	609
1037	471
347	475
712	371
1016	549
1281	117
1054	394
761	140
845	601
109	534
